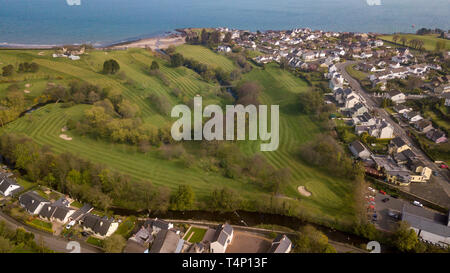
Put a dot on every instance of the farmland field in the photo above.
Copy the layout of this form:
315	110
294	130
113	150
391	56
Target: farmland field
331	200
429	40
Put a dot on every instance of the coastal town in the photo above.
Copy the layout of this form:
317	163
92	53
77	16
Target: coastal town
391	101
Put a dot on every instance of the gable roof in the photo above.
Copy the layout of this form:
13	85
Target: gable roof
399	142
97	224
165	242
358	146
222	233
5	183
280	245
81	212
31	200
428	221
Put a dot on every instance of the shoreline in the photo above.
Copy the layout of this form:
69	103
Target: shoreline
154	42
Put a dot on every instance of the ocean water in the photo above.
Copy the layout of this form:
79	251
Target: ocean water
103	22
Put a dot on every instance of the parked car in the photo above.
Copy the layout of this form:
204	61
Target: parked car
374	217
70	225
417	203
443	166
385	200
382	192
84	234
394	214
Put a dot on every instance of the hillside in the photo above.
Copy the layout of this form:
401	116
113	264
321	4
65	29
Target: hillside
429	40
331	198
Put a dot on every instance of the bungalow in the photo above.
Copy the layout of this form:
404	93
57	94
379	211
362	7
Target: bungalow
396	96
223	48
423	126
222	238
401	109
102	227
281	244
8	186
32	202
359	150
140	241
437	136
157	225
412	116
59	211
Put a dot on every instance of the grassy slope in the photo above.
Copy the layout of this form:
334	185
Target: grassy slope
429	40
331	197
206	56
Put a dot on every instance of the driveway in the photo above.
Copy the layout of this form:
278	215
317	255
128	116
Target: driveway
55	243
439	192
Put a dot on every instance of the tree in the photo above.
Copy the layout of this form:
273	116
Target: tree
227	37
5	245
224	199
111	67
395	38
404	238
310	240
403	40
7	70
183	198
154	66
176	60
114	244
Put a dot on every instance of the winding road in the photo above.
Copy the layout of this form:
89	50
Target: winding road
438	188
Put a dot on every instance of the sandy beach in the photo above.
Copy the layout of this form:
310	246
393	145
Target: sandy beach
155	42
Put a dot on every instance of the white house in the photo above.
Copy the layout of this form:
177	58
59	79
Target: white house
222	238
32	202
359	150
8	186
396	96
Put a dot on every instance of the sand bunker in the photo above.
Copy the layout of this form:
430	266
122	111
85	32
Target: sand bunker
65	137
302	190
42	53
27	91
27	85
63	129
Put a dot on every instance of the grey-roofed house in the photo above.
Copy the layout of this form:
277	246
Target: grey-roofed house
222	238
58	211
100	226
166	241
359	150
430	227
281	244
77	215
32	202
156	225
8	186
139	242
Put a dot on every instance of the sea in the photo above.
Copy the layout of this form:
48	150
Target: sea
104	22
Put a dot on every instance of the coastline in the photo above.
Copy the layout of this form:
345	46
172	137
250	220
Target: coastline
155	42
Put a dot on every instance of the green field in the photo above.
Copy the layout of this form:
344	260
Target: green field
429	40
331	199
195	235
206	56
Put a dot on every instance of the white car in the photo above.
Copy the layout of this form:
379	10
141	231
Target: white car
417	203
70	225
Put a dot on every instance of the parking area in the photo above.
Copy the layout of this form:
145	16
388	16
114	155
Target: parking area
388	210
245	242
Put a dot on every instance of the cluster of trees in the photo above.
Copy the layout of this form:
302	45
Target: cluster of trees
28	67
19	240
7	70
12	104
248	93
440	46
77	92
425	31
312	103
326	153
206	38
111	67
311	240
414	43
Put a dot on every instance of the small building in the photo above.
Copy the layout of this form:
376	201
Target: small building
437	136
359	150
222	238
423	126
281	244
8	186
396	96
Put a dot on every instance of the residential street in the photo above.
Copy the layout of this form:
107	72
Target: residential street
438	188
55	243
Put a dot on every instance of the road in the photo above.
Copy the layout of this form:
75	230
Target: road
399	131
55	243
